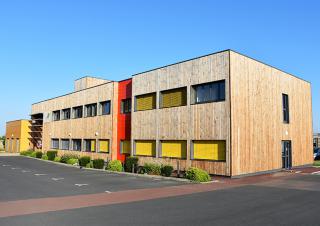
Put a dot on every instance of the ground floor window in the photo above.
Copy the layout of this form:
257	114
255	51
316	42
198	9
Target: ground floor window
145	148
65	144
104	146
174	149
90	145
208	150
125	147
76	145
55	143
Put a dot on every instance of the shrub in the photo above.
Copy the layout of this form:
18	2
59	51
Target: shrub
114	165
98	163
52	154
44	157
196	174
57	159
316	163
152	168
66	157
72	161
33	154
26	153
39	154
89	165
166	170
84	160
129	162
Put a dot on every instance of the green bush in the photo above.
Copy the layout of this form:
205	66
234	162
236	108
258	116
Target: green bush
44	157
84	160
166	170
89	165
129	162
316	163
72	161
114	165
66	157
152	168
196	174
39	154
98	163
26	153
52	154
33	154
57	159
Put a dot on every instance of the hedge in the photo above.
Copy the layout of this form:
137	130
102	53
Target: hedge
166	170
66	157
39	154
33	154
72	161
84	160
52	154
129	162
114	165
26	153
196	174
152	168
44	157
57	159
98	163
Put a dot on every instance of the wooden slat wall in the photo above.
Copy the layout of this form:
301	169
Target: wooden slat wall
192	122
256	116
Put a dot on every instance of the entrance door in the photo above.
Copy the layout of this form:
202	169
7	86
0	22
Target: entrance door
286	154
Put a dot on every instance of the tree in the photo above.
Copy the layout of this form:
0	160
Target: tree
3	139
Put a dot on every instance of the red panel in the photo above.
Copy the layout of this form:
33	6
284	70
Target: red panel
124	120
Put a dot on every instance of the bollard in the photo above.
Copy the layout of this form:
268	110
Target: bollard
132	168
178	168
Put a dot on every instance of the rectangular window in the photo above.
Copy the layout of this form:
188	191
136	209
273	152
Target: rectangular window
91	110
145	148
90	145
66	113
125	147
65	144
285	106
55	143
105	107
174	149
209	92
173	98
209	150
146	102
76	145
77	112
126	106
56	115
104	146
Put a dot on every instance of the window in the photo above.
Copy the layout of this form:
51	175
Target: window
56	115
65	144
285	105
126	106
104	146
90	145
105	107
146	102
208	92
125	147
55	143
66	113
145	148
173	98
76	145
174	149
209	150
91	110
77	112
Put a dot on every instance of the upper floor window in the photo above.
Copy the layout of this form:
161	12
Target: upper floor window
77	112
208	92
285	108
66	113
173	98
56	115
105	107
91	110
145	102
126	106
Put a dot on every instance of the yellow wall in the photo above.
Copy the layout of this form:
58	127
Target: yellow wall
18	133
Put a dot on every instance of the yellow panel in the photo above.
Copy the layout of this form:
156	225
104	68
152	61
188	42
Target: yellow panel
126	147
146	147
93	145
174	149
146	102
209	150
104	146
173	98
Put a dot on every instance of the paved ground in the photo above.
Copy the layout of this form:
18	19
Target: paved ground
279	199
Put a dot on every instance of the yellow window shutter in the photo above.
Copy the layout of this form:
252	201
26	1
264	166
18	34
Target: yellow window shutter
146	102
209	150
104	146
174	98
174	149
146	147
125	147
93	145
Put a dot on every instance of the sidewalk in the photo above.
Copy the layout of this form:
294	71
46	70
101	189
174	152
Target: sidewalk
2	153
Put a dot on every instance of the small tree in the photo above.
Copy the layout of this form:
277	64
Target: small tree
3	140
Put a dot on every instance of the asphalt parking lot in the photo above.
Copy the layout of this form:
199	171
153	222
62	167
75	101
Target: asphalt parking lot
291	199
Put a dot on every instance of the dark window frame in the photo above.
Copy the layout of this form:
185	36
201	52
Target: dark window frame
126	105
66	112
54	114
92	109
55	140
102	107
73	144
62	148
75	111
209	87
285	108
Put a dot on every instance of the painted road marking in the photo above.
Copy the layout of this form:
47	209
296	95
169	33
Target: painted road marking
40	174
298	171
25	171
80	185
13	168
5	165
108	192
317	172
56	179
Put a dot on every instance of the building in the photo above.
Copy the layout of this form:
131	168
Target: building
224	112
316	140
17	136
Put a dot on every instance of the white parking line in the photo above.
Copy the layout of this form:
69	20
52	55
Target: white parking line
40	174
14	168
25	171
108	192
5	165
80	185
56	179
317	172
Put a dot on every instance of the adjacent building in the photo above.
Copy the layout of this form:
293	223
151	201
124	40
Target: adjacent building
18	137
224	112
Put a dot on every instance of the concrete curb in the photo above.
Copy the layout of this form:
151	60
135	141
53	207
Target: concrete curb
119	173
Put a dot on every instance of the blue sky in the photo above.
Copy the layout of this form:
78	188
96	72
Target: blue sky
45	45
